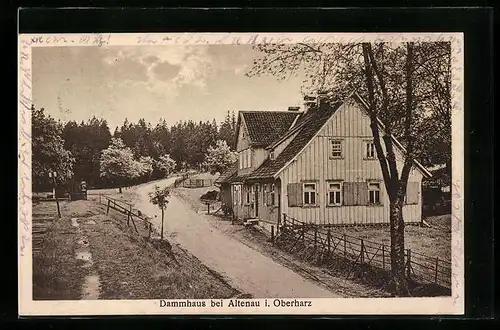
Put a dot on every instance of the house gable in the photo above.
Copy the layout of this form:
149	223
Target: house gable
351	124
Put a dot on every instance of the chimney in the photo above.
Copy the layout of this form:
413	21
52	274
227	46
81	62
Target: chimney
309	102
322	99
293	108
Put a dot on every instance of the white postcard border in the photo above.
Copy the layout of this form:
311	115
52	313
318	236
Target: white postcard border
324	306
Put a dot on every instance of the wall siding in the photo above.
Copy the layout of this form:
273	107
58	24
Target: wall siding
352	126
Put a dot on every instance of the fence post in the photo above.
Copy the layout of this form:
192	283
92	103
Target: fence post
128	218
328	239
436	274
408	264
315	237
107	210
345	245
272	235
383	257
362	259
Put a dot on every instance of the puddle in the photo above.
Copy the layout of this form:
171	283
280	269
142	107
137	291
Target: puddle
91	287
86	257
74	222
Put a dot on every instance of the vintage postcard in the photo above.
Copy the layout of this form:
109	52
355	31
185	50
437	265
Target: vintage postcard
241	173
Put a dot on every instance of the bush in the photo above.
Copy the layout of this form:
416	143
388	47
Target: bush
210	195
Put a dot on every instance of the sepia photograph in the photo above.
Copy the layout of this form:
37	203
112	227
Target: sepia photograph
240	171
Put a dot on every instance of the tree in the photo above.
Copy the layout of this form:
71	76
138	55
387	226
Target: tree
227	130
220	157
159	197
48	152
146	166
86	141
118	164
165	164
395	81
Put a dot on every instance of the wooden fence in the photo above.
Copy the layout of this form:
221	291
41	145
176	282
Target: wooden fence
321	243
197	183
131	214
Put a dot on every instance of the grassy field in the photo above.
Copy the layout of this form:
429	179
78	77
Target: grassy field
432	242
129	266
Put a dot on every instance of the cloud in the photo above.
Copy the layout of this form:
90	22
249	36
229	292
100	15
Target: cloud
165	71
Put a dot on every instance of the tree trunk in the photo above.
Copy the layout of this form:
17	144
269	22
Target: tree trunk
399	280
162	216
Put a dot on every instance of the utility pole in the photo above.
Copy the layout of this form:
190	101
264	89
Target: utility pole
53	175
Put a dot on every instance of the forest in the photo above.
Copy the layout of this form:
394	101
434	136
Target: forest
132	154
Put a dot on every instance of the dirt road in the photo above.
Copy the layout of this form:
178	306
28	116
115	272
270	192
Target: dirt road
243	267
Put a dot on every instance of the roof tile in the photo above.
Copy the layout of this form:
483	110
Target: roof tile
264	127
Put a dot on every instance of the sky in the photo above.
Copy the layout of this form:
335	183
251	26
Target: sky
175	83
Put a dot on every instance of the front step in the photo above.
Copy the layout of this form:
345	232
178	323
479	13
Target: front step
251	222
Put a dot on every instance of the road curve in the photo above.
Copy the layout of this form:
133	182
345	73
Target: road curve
243	267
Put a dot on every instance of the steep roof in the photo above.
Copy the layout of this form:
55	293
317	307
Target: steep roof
307	126
264	127
229	174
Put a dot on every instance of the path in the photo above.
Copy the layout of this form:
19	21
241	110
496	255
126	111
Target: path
243	267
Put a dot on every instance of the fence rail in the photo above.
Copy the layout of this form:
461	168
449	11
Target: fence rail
197	183
325	244
128	210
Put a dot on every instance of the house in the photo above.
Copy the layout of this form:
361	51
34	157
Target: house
317	164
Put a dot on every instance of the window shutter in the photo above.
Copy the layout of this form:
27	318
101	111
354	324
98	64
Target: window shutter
294	191
349	193
362	193
412	196
355	193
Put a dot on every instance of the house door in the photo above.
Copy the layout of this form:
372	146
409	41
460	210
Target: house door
256	201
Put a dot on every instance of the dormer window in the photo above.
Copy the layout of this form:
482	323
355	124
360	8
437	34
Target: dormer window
271	155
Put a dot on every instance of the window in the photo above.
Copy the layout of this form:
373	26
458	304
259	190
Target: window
336	148
271	155
272	195
249	158
237	195
335	193
374	192
370	150
248	196
245	158
309	194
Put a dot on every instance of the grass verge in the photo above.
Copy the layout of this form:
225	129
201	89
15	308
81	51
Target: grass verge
57	275
132	267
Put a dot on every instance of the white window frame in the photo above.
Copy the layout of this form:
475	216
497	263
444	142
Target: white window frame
271	155
370	148
373	191
336	191
273	196
249	160
309	192
341	147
